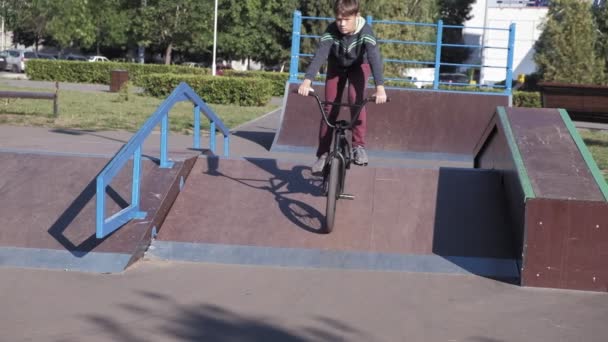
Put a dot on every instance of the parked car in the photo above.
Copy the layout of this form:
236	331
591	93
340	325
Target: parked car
15	60
3	60
73	57
98	59
459	79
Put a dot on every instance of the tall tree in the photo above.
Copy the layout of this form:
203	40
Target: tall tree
111	23
29	20
72	23
565	51
256	29
174	24
454	12
601	19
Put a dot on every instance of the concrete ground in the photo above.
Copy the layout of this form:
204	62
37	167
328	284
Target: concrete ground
172	301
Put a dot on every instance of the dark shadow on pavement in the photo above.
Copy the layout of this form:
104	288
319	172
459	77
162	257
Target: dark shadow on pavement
206	322
85	132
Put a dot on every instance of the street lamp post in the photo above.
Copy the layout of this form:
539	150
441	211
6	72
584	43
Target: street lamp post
213	66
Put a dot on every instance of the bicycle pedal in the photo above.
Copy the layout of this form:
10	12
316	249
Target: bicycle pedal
347	196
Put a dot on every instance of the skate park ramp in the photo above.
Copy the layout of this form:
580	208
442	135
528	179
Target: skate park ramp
414	125
527	205
47	211
262	211
514	216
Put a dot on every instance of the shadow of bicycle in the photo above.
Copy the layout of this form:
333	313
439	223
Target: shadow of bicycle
284	184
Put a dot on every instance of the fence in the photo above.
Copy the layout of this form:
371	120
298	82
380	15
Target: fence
437	63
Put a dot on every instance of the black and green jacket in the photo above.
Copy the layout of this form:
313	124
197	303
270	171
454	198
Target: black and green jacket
344	51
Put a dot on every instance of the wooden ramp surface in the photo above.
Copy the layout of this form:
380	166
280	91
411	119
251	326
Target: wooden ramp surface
272	206
47	211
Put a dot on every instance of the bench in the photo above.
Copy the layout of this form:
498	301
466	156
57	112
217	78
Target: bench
583	102
34	95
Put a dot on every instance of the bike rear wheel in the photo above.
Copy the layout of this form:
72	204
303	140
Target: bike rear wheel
333	185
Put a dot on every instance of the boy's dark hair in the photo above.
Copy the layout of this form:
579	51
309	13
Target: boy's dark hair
346	7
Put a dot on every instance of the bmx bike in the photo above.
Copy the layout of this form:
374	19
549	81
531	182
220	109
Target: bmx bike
338	159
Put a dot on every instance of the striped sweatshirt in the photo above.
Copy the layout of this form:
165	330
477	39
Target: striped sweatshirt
343	51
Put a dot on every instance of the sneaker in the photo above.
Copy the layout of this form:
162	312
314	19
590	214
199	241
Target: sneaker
317	167
360	156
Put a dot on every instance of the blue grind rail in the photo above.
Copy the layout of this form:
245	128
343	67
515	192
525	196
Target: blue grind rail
183	92
297	35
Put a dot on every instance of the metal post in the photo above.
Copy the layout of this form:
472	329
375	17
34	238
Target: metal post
101	207
438	53
226	145
295	46
164	130
197	127
136	177
369	19
213	66
212	136
509	78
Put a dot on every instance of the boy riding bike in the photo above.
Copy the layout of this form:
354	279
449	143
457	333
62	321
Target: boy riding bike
352	52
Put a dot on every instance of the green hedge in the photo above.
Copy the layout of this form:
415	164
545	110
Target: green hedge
530	99
240	91
98	72
278	79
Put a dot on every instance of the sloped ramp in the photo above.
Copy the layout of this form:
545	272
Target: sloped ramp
262	211
47	211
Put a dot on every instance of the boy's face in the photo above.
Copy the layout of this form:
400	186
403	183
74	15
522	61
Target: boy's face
347	24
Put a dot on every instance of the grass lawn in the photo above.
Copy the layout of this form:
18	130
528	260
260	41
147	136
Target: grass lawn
110	111
597	142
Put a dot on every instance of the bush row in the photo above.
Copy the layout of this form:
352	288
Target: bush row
242	91
278	79
242	87
98	72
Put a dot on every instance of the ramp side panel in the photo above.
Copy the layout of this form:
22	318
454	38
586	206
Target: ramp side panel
414	121
495	154
567	244
555	165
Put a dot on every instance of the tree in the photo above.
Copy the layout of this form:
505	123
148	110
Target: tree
256	29
71	23
111	23
601	19
454	12
565	51
175	24
29	20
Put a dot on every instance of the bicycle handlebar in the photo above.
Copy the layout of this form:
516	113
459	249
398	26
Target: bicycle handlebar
359	107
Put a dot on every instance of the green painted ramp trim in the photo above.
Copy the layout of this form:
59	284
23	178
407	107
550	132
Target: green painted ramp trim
582	147
519	161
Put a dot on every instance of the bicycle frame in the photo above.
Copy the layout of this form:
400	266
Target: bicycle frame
341	147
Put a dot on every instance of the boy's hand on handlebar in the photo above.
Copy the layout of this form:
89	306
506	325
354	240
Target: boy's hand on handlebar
380	95
305	88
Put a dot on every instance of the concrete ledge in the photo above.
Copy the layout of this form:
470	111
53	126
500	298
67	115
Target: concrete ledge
94	262
309	258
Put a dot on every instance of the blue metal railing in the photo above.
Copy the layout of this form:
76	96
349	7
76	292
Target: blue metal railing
297	36
183	92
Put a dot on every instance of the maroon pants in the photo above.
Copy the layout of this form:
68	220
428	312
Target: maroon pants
334	87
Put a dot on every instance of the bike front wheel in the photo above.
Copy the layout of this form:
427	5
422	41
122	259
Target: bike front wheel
333	184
